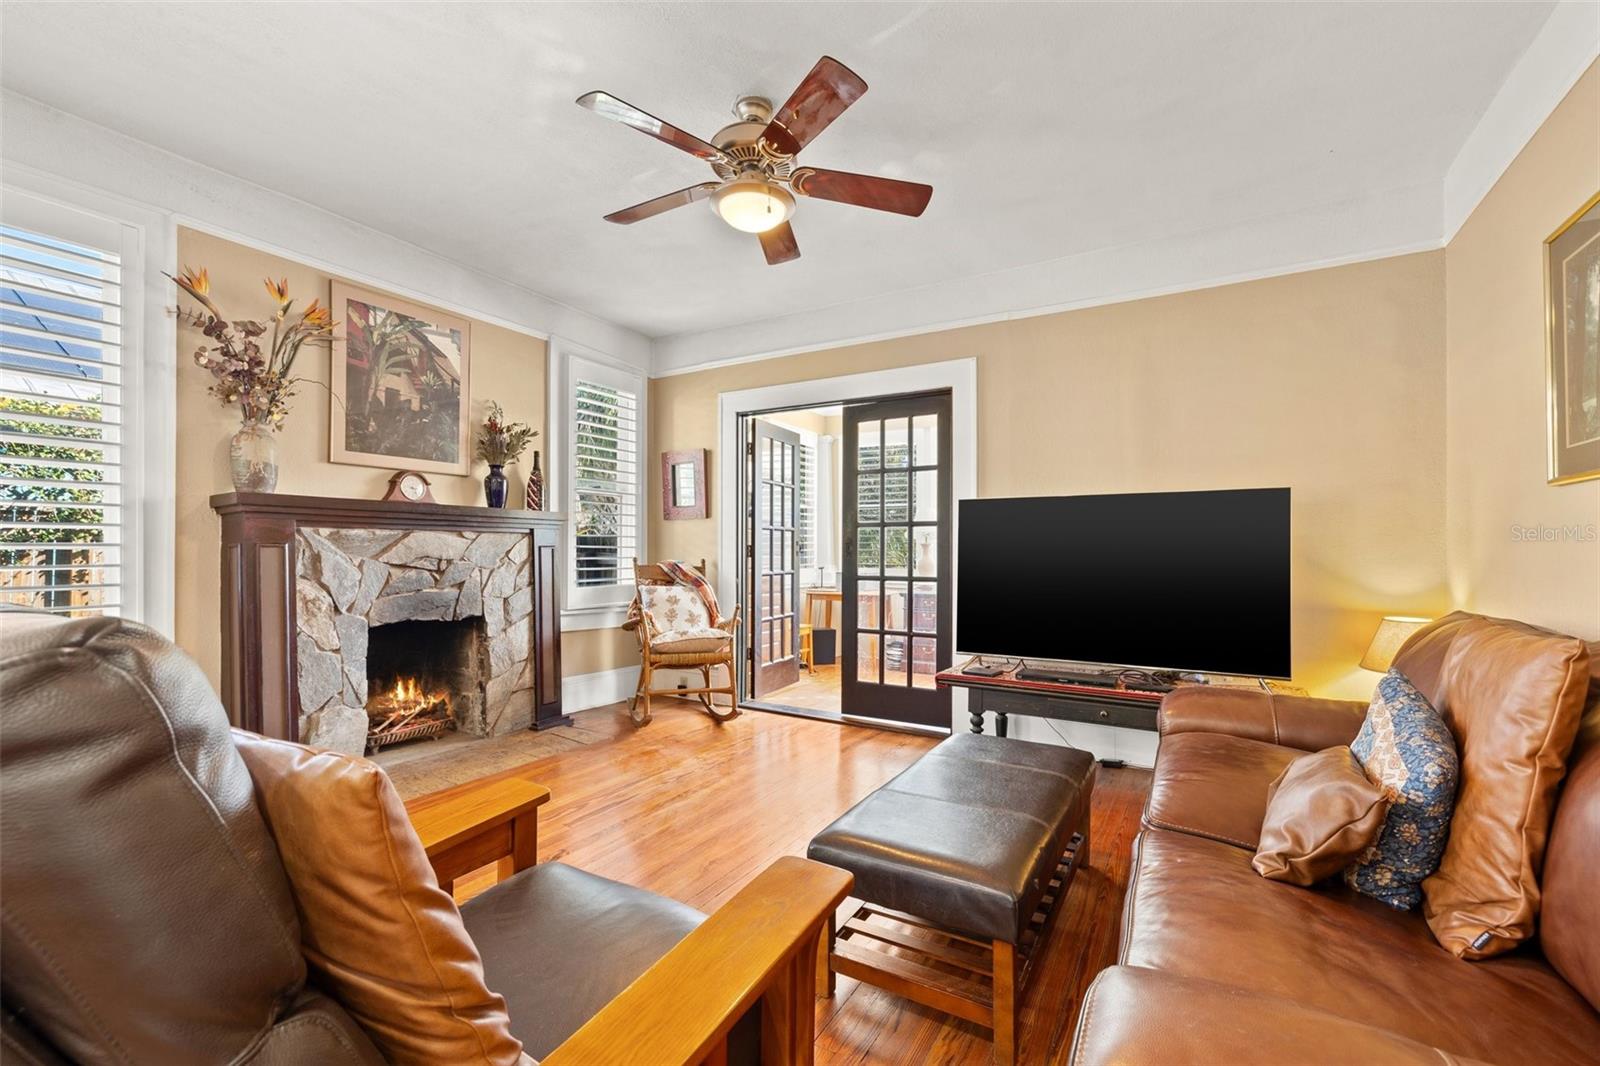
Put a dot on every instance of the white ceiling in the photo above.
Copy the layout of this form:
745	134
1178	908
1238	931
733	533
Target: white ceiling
1047	130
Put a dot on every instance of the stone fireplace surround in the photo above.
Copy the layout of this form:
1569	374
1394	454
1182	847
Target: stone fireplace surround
351	581
366	564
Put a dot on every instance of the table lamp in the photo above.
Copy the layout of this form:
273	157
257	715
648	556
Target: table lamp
1392	632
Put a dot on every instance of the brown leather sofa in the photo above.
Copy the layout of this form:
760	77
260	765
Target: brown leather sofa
1219	965
146	915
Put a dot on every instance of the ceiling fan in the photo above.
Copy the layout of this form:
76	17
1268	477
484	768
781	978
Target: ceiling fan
754	159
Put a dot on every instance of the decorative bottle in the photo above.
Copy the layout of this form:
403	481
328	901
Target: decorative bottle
535	498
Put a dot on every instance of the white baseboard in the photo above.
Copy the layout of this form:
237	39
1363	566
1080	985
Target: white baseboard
582	691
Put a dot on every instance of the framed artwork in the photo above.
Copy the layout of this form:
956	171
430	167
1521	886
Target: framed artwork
400	384
1572	339
683	484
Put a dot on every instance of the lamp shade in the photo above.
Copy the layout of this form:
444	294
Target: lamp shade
753	204
1392	632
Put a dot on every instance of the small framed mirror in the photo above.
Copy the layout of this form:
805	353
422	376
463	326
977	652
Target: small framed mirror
683	484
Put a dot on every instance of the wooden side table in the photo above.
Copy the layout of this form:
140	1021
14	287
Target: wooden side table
826	597
480	824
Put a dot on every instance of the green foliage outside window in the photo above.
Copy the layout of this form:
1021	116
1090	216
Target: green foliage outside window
599	455
51	525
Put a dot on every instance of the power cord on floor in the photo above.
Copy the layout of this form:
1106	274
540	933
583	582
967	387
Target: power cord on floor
1109	764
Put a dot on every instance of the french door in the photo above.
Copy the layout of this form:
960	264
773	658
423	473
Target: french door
773	471
896	580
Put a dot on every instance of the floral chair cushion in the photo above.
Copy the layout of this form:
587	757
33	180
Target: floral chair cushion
691	641
672	609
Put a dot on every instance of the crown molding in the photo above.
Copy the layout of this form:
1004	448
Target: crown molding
1312	239
47	140
1560	54
1414	219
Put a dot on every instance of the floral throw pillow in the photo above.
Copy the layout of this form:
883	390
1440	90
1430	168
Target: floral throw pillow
1406	749
673	608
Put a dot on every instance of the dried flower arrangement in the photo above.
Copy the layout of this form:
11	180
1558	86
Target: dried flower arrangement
259	379
500	442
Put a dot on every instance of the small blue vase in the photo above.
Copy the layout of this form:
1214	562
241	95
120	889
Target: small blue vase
494	486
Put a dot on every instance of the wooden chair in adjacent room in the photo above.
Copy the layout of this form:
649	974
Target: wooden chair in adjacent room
676	633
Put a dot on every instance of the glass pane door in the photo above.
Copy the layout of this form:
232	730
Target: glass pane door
896	581
774	640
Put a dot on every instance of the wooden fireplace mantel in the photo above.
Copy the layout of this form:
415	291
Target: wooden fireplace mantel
333	512
259	668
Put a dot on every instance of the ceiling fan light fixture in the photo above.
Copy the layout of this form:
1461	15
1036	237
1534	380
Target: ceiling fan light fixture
753	204
754	161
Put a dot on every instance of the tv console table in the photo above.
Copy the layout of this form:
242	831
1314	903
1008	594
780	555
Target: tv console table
1007	694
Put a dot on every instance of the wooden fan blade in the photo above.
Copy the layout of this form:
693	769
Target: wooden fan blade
862	190
609	106
662	203
820	98
779	244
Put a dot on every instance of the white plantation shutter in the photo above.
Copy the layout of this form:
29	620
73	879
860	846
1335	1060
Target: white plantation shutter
62	418
805	541
605	479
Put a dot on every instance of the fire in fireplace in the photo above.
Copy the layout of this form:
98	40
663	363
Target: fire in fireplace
408	710
425	678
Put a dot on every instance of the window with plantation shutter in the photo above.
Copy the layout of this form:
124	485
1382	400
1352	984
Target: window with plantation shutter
603	481
806	556
63	422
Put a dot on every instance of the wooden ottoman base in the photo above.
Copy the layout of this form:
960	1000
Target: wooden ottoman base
980	981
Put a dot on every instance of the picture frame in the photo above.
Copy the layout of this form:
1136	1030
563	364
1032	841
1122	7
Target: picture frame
401	384
684	492
1572	345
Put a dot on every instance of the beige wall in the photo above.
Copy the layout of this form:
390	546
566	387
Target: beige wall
1496	399
1368	389
589	651
1326	381
506	365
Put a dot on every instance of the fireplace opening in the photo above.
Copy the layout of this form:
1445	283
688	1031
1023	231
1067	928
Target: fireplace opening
425	678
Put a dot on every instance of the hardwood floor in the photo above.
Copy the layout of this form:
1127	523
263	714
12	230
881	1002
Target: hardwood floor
693	809
817	690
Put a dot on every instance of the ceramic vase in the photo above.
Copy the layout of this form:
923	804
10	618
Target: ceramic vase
494	486
253	458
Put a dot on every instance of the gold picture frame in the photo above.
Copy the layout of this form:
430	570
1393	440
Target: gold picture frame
401	384
1572	345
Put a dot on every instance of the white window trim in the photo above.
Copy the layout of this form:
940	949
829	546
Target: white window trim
604	608
150	341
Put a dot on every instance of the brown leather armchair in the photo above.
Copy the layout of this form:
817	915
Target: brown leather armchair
148	917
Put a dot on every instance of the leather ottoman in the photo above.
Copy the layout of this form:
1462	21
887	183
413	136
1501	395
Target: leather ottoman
960	862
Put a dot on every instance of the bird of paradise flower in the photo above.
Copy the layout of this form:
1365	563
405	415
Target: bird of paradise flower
259	379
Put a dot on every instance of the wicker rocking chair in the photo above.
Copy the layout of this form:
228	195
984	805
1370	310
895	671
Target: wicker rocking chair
674	634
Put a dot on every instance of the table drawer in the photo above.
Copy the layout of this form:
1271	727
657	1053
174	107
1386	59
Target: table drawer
1124	714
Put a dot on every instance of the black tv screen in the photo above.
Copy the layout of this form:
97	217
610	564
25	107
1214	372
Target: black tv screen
1195	581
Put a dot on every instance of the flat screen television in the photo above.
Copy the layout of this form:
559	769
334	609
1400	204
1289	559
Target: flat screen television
1193	581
